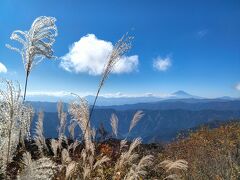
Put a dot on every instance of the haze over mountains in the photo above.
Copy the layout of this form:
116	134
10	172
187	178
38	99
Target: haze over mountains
164	117
122	100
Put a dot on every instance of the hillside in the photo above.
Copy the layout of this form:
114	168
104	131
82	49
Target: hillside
155	126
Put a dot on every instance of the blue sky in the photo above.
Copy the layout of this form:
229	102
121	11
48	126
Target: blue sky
179	45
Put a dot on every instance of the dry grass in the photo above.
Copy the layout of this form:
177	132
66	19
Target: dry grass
15	120
211	154
137	116
36	43
114	124
39	134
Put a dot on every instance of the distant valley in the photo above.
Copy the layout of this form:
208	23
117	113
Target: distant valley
162	121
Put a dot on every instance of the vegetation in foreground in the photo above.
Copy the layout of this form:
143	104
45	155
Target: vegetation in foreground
74	157
207	153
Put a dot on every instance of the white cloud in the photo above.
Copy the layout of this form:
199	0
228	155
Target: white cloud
202	33
149	94
66	94
46	93
162	64
135	95
3	68
114	95
57	93
90	54
237	87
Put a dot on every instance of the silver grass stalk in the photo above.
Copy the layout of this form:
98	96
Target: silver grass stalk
26	117
138	171
54	146
71	129
65	158
71	169
170	165
73	146
123	144
79	111
10	108
178	164
145	161
89	168
40	169
100	162
127	158
173	177
120	48
136	118
114	124
136	142
87	164
36	43
39	134
62	116
15	120
93	133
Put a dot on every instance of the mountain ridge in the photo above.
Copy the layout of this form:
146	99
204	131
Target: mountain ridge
123	100
155	126
187	104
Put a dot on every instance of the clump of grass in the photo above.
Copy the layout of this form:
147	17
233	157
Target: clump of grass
43	168
15	120
39	134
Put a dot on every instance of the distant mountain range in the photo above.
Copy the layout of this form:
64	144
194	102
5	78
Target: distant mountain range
155	126
109	101
184	104
163	119
124	100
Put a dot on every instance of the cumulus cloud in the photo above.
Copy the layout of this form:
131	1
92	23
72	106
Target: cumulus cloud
90	54
237	86
162	64
3	68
